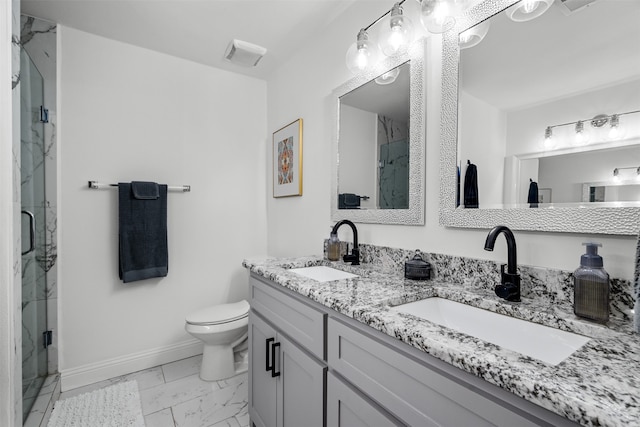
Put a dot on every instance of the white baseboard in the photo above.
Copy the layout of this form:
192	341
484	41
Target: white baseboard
95	372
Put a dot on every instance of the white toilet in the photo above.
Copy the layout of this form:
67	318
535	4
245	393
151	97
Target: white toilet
223	329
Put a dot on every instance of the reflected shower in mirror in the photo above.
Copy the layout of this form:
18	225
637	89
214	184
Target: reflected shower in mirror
378	143
374	143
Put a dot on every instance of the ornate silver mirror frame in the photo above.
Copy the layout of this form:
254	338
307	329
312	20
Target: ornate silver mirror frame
414	215
573	218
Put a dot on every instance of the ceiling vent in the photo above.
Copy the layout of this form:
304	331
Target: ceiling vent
243	53
571	6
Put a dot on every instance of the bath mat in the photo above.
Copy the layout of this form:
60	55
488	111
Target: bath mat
114	406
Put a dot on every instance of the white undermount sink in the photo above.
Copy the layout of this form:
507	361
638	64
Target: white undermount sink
531	339
322	273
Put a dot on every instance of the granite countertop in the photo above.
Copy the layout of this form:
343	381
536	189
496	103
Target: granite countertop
598	385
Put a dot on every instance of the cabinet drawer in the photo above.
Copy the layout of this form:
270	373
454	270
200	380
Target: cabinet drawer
347	407
301	322
416	393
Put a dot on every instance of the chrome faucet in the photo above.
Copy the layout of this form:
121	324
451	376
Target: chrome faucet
509	288
354	257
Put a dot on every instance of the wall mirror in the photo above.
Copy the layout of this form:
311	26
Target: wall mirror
378	172
568	75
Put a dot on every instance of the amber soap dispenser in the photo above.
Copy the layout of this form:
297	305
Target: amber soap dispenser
591	286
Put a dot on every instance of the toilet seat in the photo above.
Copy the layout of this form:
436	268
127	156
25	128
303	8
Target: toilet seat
219	314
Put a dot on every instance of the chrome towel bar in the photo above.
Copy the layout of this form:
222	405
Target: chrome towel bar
98	185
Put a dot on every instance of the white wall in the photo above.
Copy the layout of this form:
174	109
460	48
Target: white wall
483	129
297	225
128	113
358	154
566	174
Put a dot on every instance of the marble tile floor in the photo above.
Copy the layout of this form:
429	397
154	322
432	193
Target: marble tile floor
172	395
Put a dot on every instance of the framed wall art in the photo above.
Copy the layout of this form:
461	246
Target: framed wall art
287	160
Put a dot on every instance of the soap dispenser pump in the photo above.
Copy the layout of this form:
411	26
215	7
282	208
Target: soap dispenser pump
333	247
591	286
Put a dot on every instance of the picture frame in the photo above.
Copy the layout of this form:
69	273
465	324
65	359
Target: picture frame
287	160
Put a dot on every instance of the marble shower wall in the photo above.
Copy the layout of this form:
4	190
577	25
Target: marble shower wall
393	163
17	282
38	38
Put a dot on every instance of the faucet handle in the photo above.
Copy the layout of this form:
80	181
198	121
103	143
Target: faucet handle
353	258
509	288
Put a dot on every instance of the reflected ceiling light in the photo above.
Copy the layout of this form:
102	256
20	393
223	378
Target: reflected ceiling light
388	77
548	138
526	10
616	172
473	35
361	54
615	130
439	16
583	135
397	32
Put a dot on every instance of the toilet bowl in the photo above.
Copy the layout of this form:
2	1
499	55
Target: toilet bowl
223	329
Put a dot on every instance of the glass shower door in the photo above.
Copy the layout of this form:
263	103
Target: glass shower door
33	203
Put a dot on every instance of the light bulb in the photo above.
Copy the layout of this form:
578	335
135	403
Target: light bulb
548	138
582	136
473	35
527	10
396	33
529	6
388	77
616	174
361	54
437	16
615	131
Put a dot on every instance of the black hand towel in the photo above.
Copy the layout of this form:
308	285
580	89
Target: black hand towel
143	250
471	187
532	197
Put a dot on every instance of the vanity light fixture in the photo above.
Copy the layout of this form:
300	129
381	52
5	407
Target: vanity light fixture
616	172
473	35
526	10
583	135
397	31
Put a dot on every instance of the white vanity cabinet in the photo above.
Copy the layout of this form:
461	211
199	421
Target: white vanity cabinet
286	378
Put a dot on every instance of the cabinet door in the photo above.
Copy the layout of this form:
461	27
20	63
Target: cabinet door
262	386
300	387
348	408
